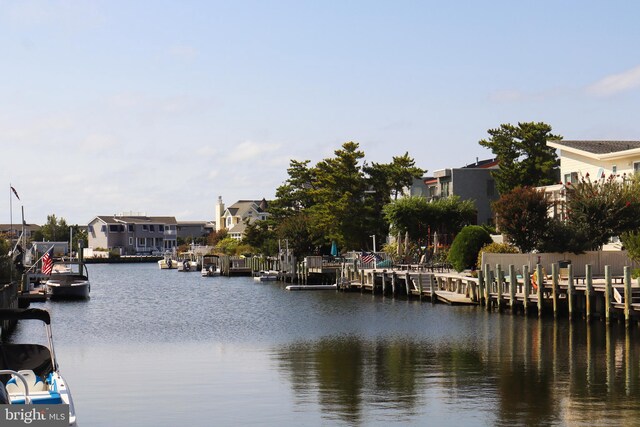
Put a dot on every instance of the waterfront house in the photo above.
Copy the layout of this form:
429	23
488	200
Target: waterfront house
598	159
470	182
133	234
235	217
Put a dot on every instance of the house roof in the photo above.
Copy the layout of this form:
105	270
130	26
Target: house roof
598	149
482	164
112	219
241	207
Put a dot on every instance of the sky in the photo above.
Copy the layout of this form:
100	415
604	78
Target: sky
158	108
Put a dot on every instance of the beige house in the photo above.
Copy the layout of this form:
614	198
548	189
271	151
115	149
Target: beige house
133	234
233	218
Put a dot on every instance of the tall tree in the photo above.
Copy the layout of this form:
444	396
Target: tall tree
338	195
402	171
524	157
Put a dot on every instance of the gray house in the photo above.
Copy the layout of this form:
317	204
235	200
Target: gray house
470	182
133	234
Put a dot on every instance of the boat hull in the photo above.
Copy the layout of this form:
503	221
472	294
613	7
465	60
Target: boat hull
69	291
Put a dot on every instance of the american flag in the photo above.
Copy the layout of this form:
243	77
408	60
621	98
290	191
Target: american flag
368	257
47	262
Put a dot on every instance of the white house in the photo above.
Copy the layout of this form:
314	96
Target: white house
598	159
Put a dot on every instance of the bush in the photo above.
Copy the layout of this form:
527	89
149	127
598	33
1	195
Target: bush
496	248
465	247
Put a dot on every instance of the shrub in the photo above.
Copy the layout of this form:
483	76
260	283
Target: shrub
465	247
496	248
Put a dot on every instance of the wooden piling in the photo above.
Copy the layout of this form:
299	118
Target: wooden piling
500	281
526	279
588	293
432	287
608	292
489	282
541	280
554	289
627	296
512	286
481	286
570	292
419	284
407	283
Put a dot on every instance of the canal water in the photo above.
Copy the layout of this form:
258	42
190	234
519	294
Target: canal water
165	348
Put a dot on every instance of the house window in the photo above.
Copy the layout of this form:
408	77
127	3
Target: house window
636	167
141	241
103	228
130	241
90	229
614	169
131	228
161	228
571	178
145	227
152	227
113	228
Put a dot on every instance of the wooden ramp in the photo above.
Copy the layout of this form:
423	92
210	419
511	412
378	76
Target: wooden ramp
453	298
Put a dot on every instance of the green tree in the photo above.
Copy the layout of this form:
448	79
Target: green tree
401	173
55	230
338	210
260	236
524	157
522	216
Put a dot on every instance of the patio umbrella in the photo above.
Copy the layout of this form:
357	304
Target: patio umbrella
334	248
399	242
435	242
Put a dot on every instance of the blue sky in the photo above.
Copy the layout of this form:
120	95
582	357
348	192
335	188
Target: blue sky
160	107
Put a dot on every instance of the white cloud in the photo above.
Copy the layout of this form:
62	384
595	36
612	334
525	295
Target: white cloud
251	150
616	83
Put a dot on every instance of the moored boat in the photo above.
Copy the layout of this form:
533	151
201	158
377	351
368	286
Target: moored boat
69	280
29	373
210	266
267	275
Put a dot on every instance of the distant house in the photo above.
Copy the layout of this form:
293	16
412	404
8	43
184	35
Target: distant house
194	229
133	234
14	230
598	159
233	218
470	182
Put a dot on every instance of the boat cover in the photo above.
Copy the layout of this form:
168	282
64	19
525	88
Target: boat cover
25	313
18	357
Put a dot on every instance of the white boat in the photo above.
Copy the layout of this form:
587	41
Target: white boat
69	280
210	266
167	263
187	262
30	373
267	275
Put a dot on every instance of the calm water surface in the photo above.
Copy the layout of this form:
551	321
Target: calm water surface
163	348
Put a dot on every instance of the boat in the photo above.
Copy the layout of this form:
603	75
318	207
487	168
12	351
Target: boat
68	280
267	275
30	373
167	263
210	266
188	262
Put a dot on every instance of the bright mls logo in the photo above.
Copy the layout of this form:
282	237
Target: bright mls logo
34	415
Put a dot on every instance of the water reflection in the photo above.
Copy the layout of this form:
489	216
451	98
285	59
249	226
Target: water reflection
517	371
